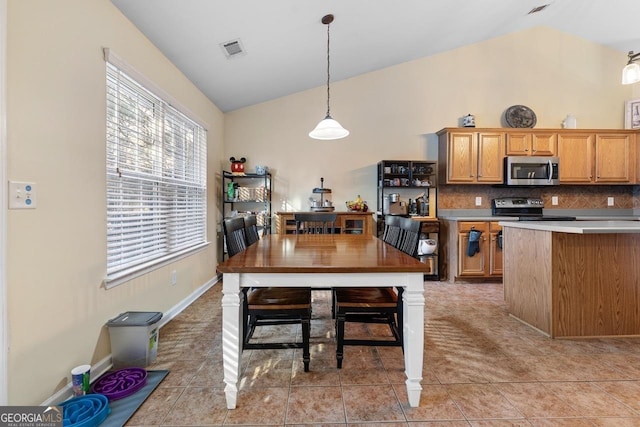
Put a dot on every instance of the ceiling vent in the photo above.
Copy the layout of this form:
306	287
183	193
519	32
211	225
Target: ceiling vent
233	49
538	9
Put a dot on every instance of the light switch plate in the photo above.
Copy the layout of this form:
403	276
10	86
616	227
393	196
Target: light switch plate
22	195
609	201
554	200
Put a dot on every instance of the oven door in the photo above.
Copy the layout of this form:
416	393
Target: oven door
531	171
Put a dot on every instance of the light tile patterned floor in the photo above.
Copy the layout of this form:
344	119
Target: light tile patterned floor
481	368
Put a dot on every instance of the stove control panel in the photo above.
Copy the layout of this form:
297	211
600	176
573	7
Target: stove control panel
518	202
517	205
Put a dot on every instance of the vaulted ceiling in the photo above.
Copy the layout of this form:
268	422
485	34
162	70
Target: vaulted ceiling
284	43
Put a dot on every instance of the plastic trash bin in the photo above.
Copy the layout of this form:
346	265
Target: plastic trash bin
134	338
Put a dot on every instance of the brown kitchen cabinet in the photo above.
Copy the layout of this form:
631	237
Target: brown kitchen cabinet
597	158
587	156
346	223
471	157
531	143
485	264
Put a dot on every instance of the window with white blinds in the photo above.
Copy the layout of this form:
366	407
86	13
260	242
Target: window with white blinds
156	180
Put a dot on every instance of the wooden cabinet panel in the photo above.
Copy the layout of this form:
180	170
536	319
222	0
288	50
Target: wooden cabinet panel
470	265
487	263
462	158
472	157
518	144
614	155
544	143
490	157
495	249
354	224
576	157
531	144
605	158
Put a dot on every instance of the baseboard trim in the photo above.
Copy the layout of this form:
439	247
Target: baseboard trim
105	364
179	308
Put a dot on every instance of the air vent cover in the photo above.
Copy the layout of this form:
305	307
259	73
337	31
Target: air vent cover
233	48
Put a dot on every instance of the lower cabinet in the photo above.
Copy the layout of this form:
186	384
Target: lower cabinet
473	256
346	223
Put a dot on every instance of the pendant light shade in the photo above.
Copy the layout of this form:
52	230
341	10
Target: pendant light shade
631	72
328	128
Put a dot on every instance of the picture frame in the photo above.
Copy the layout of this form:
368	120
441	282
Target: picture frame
632	114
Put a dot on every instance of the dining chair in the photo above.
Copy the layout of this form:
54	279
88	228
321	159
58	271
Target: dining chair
234	235
251	229
315	222
270	305
381	305
392	230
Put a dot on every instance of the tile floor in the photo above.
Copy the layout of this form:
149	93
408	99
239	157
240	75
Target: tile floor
481	368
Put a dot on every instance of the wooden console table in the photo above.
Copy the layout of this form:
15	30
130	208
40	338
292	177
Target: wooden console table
346	223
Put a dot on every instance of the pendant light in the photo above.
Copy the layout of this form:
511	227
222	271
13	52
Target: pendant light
328	128
631	72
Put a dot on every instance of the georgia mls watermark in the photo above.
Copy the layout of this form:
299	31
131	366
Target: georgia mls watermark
30	416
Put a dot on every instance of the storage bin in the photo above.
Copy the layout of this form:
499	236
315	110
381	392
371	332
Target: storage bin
134	338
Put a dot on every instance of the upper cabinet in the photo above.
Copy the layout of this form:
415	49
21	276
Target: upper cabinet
597	158
586	156
471	157
531	144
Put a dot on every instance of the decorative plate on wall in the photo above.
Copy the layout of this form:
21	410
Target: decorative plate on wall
520	116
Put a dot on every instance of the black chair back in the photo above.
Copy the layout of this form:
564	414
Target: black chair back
315	222
392	230
251	229
410	236
234	235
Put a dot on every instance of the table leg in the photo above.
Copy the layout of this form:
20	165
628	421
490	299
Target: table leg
413	301
231	335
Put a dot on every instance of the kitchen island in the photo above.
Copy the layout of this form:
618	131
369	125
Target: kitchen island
573	278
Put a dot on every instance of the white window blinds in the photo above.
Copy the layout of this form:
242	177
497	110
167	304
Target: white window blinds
156	180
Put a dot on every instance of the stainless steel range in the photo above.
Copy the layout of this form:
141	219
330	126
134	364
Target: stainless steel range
525	208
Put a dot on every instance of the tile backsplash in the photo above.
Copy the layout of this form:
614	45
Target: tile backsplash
569	196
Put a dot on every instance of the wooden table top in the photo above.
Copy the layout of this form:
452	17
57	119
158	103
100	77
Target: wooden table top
316	253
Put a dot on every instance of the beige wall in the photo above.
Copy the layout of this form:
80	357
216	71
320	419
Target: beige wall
57	307
394	113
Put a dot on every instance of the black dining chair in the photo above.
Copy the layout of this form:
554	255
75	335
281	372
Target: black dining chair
251	229
315	222
392	230
270	305
234	235
381	305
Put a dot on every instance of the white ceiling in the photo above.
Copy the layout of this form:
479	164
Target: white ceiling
285	42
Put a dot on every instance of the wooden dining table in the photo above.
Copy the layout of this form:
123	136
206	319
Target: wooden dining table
322	261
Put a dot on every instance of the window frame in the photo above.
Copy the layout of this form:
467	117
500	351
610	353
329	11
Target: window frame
156	176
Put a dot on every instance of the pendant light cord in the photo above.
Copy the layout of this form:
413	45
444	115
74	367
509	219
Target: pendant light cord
328	74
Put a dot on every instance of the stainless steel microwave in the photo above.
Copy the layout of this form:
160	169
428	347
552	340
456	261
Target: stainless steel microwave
531	171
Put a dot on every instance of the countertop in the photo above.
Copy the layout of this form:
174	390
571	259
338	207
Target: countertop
577	227
579	214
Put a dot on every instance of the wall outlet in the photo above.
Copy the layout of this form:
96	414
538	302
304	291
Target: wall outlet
554	200
478	201
174	278
609	201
